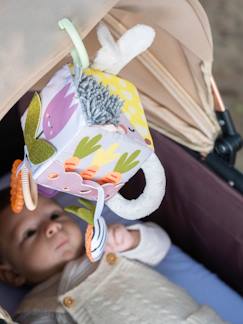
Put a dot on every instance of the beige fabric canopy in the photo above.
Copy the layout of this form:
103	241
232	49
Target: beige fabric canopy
32	43
173	76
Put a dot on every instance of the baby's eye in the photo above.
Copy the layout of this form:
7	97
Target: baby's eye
30	233
55	216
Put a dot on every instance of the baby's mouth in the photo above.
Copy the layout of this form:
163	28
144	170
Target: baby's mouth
61	244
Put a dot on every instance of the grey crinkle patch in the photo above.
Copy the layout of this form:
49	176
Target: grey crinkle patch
98	104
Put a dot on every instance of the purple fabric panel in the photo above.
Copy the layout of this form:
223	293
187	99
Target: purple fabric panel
58	112
201	213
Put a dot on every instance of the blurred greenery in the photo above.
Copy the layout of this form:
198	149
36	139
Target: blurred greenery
226	22
238	107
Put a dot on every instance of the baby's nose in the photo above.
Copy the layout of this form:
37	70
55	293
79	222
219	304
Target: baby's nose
52	228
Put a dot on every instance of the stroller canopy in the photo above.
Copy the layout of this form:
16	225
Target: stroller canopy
173	76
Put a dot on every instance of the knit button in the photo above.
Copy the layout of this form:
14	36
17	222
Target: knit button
68	302
111	258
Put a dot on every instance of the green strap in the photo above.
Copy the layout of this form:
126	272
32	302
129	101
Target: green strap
79	53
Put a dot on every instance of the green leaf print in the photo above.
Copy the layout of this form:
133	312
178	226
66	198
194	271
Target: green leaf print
87	146
126	163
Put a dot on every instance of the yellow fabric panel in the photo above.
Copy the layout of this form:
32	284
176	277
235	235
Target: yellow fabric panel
132	107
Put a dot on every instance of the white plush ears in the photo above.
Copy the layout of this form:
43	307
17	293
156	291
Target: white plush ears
113	56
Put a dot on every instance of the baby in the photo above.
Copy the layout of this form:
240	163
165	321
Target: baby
45	248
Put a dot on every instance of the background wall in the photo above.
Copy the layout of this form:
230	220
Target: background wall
226	21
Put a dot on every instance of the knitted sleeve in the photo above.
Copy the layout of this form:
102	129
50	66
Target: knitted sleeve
154	244
43	318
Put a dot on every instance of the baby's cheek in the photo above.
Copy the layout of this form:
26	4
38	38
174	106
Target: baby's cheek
39	266
75	236
38	259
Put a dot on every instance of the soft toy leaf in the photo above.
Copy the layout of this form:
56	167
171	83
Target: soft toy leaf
88	204
32	120
40	151
82	213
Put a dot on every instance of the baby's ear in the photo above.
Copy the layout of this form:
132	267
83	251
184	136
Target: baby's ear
9	276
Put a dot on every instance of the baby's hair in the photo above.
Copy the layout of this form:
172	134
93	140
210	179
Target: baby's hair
4	198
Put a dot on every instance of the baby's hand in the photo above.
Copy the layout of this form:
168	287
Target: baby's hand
121	239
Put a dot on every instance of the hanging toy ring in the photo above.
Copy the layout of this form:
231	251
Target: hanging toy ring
16	192
29	187
88	239
79	53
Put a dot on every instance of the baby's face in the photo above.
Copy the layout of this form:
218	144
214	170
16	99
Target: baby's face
39	243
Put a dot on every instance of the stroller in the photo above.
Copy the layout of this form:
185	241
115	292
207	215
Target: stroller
193	134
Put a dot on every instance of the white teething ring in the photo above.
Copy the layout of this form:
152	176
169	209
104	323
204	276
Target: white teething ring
29	187
151	197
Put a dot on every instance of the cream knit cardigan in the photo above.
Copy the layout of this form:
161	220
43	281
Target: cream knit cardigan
123	292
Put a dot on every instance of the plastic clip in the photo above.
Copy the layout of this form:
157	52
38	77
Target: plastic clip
79	53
